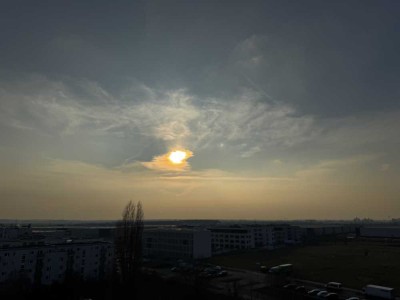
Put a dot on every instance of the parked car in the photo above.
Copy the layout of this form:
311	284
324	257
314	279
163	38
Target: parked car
301	289
332	296
290	286
322	294
334	285
263	269
205	275
314	292
222	273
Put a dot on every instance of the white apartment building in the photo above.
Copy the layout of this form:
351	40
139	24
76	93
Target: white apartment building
265	236
256	236
47	264
273	236
227	239
176	243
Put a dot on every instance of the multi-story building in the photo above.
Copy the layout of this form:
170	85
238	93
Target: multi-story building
12	232
46	264
294	235
315	230
380	232
266	236
181	243
230	238
254	236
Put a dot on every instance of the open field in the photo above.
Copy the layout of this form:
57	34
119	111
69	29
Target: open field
355	264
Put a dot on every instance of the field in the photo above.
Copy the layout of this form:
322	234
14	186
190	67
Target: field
355	263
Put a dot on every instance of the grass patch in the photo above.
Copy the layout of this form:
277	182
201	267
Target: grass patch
354	264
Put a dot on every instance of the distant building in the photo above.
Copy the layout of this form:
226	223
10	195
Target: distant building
176	243
231	238
74	232
254	236
382	232
47	264
311	231
294	235
13	232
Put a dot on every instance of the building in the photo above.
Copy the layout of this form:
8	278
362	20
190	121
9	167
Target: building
273	236
183	243
381	232
231	238
46	264
316	230
13	232
293	234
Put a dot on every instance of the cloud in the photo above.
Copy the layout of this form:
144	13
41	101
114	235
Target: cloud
245	122
249	54
277	162
337	170
250	152
139	123
163	163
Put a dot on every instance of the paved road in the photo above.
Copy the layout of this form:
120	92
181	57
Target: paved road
344	293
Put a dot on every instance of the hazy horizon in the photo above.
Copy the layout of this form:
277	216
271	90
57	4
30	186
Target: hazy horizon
282	110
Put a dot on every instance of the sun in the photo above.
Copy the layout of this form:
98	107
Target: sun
177	157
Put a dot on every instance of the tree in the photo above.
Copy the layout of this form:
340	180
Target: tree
128	242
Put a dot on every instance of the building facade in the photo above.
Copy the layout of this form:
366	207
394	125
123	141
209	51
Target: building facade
40	263
254	236
176	243
231	238
13	232
380	232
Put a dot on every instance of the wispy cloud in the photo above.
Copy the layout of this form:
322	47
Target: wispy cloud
239	126
245	122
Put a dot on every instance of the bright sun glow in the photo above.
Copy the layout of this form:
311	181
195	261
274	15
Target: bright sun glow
177	157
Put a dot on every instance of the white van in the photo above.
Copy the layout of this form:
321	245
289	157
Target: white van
333	285
379	291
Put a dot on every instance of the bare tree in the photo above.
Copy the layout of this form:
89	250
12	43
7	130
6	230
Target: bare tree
128	242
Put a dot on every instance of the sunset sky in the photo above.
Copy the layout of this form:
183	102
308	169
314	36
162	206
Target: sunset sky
284	109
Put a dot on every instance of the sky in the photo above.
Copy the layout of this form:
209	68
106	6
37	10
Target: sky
286	109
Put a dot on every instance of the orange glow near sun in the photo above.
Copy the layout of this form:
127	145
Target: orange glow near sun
177	157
